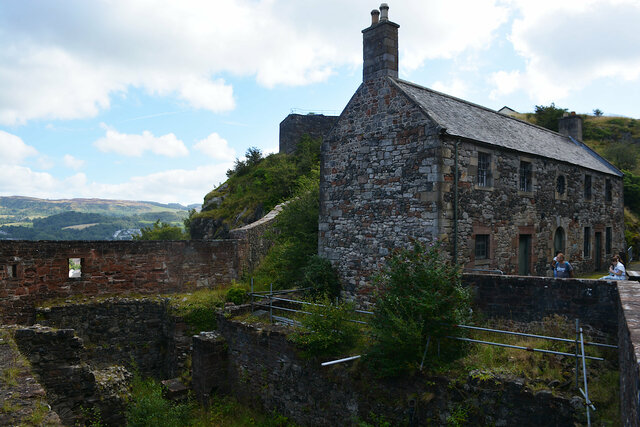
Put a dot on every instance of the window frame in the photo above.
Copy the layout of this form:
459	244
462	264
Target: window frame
486	245
587	247
525	180
587	193
484	170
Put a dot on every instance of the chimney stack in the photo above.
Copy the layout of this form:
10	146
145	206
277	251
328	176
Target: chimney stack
380	46
570	125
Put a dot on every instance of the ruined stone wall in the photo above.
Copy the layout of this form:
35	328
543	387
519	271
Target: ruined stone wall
294	126
116	331
31	272
379	182
72	387
504	213
260	367
526	299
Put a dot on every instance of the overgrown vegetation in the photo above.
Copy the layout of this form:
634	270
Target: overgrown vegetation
419	299
198	308
257	184
148	408
327	330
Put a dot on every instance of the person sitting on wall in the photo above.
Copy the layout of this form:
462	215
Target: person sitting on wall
616	270
563	268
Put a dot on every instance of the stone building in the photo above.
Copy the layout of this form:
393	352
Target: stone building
405	162
294	126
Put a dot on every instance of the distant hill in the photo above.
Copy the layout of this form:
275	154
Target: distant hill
28	218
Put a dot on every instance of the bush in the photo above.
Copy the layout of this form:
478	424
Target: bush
236	295
327	330
419	297
148	408
321	277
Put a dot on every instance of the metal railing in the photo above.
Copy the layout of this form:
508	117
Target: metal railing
579	341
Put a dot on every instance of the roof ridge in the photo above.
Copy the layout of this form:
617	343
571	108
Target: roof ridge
478	106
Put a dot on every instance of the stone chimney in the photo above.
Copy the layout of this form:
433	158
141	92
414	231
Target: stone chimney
571	125
380	46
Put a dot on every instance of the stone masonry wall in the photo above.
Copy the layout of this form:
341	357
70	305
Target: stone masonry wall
504	213
379	182
31	272
125	331
294	126
260	367
629	352
526	299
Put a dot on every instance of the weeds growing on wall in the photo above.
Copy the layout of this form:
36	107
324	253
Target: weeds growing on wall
198	308
420	298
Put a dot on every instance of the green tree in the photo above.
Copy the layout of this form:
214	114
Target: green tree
161	231
622	155
597	112
548	116
420	297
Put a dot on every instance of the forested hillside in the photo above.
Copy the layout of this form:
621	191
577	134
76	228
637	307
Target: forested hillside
27	218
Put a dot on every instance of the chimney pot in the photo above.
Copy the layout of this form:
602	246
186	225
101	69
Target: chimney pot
573	113
384	12
375	16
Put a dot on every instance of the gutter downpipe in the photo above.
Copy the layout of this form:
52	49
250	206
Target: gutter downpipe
455	205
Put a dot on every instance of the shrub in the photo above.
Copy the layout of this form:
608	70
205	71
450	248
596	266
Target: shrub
162	231
327	330
236	295
321	277
419	297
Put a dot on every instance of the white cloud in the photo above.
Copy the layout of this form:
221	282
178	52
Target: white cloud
72	162
67	60
455	87
136	145
216	147
13	150
569	45
178	185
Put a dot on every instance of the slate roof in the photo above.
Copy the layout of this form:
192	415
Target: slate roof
468	120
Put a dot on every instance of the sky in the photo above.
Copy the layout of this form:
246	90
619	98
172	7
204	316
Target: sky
154	100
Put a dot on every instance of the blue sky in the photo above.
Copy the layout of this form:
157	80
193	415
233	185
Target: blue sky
153	100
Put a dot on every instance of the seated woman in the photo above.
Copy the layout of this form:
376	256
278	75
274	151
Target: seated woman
616	270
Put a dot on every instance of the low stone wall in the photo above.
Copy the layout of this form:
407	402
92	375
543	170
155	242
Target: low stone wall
629	351
138	333
526	298
253	245
31	272
260	367
72	389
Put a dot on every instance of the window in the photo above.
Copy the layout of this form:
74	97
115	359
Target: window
558	240
607	190
587	187
525	176
587	242
75	268
12	271
607	240
560	185
482	246
484	170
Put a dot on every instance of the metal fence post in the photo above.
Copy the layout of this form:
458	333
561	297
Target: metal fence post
271	302
577	337
252	294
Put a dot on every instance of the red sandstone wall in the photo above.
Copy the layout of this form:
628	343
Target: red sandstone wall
109	268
